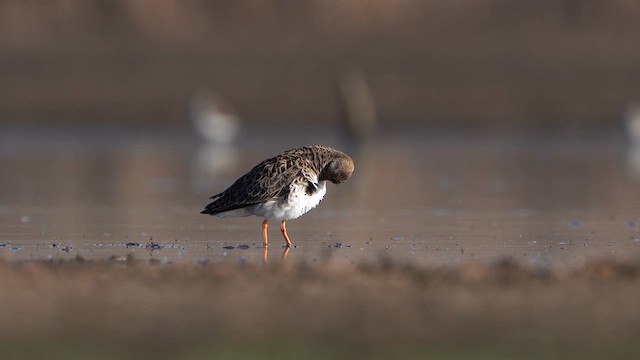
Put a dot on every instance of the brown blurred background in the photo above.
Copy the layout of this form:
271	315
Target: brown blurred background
493	63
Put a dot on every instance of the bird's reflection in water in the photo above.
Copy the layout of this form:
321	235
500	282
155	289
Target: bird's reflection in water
212	161
214	120
265	254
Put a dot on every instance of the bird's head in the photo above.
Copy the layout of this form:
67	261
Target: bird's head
337	170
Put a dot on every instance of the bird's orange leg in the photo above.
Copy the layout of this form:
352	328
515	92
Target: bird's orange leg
283	228
265	225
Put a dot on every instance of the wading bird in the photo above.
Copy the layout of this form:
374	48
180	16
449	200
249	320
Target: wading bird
283	187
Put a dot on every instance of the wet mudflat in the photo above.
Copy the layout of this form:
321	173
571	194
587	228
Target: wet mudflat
437	240
425	198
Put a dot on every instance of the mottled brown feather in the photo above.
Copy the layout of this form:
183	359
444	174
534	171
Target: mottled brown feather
271	179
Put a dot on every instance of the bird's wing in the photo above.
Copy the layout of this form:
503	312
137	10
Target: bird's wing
268	180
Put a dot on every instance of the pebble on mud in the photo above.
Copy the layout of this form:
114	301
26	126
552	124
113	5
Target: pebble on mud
575	224
154	246
339	245
126	258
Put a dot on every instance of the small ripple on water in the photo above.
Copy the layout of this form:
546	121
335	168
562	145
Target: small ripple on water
440	212
522	212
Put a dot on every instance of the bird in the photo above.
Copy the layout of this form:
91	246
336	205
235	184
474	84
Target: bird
214	118
283	187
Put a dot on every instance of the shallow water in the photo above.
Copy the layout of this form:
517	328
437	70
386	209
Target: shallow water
415	196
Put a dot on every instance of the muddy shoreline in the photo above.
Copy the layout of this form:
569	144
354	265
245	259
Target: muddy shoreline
132	302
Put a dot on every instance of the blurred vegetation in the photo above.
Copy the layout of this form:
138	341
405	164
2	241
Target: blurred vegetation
571	63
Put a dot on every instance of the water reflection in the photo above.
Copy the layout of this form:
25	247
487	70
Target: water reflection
431	198
212	162
265	254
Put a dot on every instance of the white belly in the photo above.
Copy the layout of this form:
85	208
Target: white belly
297	204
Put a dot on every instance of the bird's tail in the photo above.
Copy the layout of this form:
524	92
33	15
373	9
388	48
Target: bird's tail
211	209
